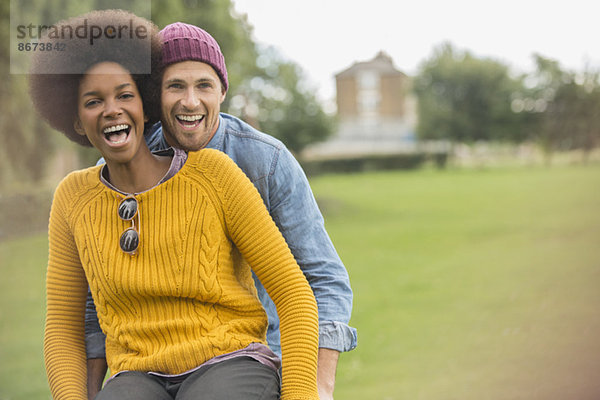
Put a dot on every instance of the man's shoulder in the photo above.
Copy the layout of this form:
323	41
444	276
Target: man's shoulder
255	152
237	130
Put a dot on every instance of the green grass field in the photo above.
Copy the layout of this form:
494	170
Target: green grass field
468	284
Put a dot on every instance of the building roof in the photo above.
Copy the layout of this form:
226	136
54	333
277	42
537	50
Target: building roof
382	63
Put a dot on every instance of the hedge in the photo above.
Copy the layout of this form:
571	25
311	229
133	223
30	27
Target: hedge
373	163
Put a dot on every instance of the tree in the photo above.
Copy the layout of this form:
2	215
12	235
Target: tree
265	90
27	142
565	106
298	120
303	120
281	102
588	134
465	99
231	30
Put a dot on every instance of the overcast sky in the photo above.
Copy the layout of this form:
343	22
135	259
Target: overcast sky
327	36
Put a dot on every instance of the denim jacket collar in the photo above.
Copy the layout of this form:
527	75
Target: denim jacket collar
219	137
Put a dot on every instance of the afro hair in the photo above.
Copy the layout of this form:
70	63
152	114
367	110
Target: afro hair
102	36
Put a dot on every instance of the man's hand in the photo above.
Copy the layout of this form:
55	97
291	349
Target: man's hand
327	365
96	372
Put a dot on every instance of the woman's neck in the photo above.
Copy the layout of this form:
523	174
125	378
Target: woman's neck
138	175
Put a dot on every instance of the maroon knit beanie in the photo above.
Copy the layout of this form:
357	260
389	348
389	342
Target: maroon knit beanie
184	42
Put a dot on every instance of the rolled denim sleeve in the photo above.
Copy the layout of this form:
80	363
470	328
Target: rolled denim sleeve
337	336
294	209
94	337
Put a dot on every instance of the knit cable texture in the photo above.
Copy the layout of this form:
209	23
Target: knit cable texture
182	299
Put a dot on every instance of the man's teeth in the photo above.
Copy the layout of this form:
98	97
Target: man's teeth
190	118
115	128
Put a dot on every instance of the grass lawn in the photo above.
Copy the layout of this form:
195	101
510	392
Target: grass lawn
468	284
22	290
479	284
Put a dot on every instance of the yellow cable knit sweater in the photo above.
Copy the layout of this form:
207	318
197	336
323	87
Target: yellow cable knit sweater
182	299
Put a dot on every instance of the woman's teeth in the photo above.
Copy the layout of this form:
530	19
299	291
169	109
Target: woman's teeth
115	128
117	134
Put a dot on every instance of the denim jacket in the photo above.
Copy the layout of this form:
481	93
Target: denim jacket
286	192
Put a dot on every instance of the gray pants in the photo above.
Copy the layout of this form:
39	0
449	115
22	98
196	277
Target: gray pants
238	378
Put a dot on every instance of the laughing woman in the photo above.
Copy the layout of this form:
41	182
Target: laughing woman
155	237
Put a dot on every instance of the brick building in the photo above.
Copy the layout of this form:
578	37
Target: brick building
376	110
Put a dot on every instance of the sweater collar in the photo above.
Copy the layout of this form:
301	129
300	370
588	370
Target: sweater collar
178	160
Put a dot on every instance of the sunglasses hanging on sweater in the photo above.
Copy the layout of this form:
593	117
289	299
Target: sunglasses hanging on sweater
130	238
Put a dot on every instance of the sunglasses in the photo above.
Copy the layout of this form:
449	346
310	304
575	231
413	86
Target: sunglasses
130	238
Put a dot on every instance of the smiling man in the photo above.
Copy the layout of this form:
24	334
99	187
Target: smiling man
191	97
194	84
